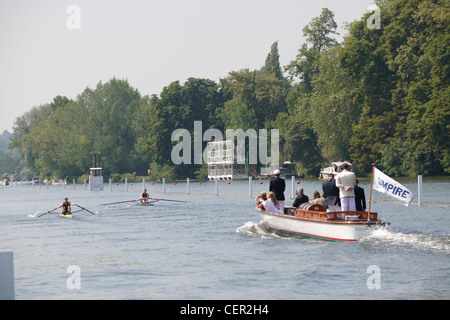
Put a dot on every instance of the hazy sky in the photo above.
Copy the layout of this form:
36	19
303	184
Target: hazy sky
151	43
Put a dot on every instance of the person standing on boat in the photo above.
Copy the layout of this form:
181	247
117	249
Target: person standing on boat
144	196
346	181
277	186
360	198
331	193
67	206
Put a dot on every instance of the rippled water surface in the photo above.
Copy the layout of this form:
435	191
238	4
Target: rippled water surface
216	247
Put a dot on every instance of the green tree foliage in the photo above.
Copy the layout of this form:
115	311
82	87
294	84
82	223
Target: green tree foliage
110	111
177	107
9	158
272	64
315	101
57	145
333	109
402	70
263	96
318	38
5	138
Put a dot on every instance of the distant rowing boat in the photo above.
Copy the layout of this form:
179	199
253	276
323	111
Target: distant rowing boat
311	221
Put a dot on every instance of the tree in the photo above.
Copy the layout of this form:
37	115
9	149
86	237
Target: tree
318	31
311	107
363	61
58	146
237	115
402	75
318	38
272	64
59	102
23	126
420	59
111	108
297	136
262	94
333	109
177	107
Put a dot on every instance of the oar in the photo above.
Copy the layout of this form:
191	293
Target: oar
104	204
50	211
85	209
169	200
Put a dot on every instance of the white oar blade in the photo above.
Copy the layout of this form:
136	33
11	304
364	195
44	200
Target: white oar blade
34	215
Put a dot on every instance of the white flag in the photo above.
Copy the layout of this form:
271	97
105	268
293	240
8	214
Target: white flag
387	185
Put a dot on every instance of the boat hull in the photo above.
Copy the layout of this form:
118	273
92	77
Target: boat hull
287	225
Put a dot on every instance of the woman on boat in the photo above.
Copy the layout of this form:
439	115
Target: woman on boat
271	202
319	200
260	200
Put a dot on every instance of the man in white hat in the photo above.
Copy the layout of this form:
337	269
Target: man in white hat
346	181
278	185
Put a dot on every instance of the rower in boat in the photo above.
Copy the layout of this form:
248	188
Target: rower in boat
67	206
144	196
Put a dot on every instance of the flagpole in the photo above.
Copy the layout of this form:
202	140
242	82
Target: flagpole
371	186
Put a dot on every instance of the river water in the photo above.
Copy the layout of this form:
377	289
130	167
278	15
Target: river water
215	247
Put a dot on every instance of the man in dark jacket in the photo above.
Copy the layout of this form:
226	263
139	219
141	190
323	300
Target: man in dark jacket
360	198
278	185
331	193
301	198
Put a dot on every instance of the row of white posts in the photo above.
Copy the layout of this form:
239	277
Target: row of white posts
250	186
250	189
65	184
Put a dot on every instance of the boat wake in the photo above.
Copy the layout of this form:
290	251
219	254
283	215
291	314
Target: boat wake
426	242
251	228
382	237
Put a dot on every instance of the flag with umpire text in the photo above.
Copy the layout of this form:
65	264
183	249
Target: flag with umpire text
384	184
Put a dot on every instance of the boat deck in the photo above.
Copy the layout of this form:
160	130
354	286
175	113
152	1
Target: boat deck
322	215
